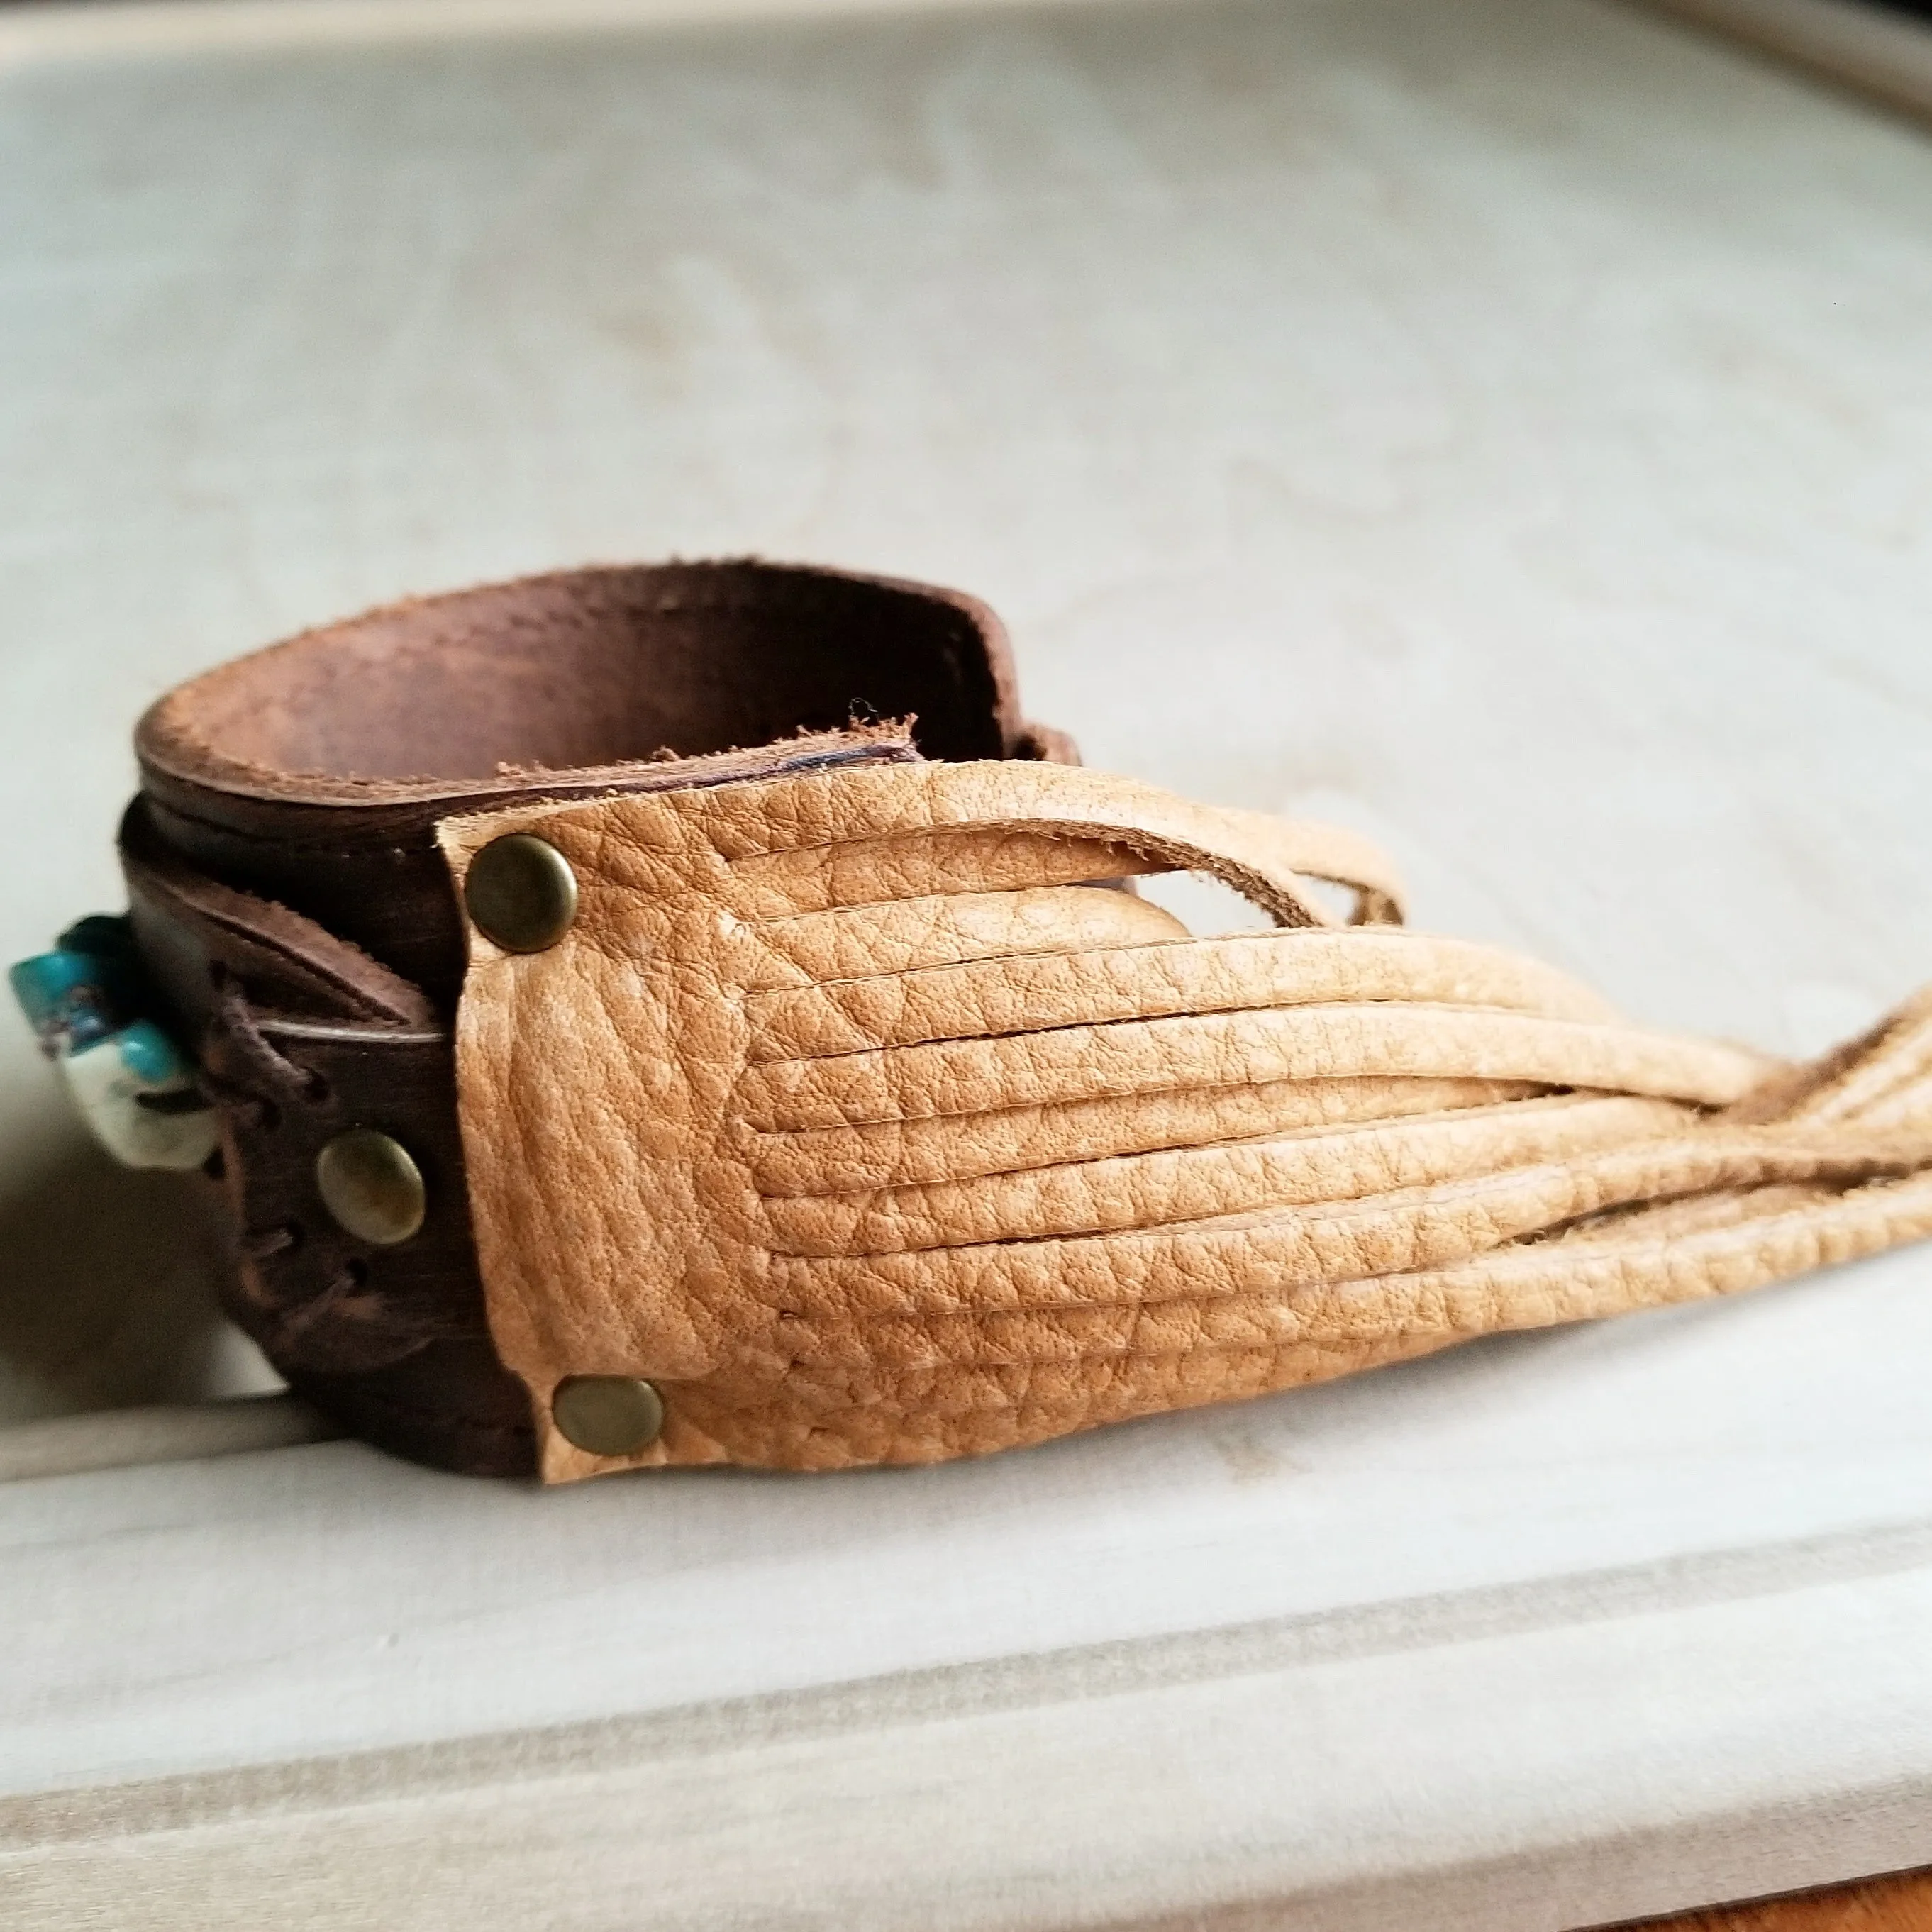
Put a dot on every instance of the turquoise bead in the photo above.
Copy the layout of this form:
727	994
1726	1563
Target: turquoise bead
148	1053
84	1000
67	1000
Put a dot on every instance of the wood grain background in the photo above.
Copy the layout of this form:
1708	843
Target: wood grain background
1503	428
1901	1904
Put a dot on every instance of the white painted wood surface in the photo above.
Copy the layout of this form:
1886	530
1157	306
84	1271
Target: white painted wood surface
1507	428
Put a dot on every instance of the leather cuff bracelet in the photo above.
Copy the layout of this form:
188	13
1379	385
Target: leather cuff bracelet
580	1108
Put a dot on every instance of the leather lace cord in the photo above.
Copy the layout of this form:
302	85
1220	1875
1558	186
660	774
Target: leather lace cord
328	1317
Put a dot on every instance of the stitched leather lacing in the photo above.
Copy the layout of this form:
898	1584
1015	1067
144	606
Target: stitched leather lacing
266	1080
312	1297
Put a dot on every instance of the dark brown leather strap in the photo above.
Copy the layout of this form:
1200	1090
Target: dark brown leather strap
291	905
314	773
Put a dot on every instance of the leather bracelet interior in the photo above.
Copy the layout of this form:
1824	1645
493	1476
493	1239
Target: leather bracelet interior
665	1015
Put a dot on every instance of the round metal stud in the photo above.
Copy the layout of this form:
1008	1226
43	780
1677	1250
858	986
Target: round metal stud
371	1185
521	893
607	1415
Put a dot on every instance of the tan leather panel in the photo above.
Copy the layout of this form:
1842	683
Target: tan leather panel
1007	1140
1227	1048
1196	1183
949	930
846	1116
1104	985
997	825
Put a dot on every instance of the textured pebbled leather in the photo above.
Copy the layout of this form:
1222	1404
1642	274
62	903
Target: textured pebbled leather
849	1115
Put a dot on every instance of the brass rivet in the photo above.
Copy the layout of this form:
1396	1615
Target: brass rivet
521	893
368	1182
607	1415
